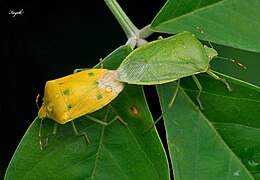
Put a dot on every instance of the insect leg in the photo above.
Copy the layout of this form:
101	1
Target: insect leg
82	69
79	69
55	128
200	90
153	124
169	106
220	79
47	137
174	94
39	135
101	63
106	123
79	134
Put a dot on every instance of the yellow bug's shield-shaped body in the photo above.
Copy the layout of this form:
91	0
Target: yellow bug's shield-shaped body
81	93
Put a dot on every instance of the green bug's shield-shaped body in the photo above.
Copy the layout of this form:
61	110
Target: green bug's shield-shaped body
166	60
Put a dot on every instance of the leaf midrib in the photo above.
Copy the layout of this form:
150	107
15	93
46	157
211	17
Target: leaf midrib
223	96
238	125
216	133
193	12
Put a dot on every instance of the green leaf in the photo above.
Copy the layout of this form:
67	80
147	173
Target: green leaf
221	142
114	152
227	22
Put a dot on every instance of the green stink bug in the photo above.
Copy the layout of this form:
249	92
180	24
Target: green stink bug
167	60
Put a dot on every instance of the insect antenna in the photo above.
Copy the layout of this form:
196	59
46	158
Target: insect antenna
232	60
205	36
37	101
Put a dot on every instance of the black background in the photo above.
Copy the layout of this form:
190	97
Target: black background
50	40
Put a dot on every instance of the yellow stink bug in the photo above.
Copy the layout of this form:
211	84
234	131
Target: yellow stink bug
81	93
72	96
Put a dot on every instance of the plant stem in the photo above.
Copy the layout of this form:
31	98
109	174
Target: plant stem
145	31
127	25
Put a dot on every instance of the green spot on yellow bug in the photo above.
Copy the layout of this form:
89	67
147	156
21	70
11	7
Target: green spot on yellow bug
90	74
99	96
66	92
95	83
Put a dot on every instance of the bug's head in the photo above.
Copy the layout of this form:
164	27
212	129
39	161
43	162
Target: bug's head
45	110
211	53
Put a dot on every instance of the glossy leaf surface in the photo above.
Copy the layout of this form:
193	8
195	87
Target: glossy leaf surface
114	152
227	22
222	141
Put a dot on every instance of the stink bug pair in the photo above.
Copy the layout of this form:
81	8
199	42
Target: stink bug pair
156	62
